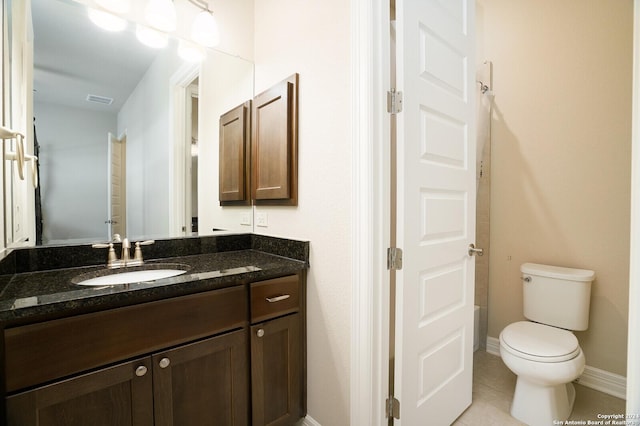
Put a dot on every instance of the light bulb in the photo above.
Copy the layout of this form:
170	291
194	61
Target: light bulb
115	6
191	52
106	20
161	15
152	38
204	30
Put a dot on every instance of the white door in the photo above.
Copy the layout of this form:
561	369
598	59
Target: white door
117	187
436	209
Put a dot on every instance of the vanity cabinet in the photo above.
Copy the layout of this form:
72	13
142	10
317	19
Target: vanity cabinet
277	352
189	365
235	355
203	383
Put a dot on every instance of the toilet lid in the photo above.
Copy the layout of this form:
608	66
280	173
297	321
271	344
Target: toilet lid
540	342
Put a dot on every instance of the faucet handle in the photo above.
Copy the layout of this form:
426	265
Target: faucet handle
111	255
137	254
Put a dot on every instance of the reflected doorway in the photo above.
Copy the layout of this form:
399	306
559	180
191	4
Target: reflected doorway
191	147
117	221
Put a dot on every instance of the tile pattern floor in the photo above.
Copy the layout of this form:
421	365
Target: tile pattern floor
493	386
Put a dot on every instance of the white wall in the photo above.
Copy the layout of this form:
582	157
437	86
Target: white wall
73	172
145	119
312	38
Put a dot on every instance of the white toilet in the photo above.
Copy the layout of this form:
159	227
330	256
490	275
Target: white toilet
542	352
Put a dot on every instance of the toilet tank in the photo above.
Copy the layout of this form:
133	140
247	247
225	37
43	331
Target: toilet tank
557	296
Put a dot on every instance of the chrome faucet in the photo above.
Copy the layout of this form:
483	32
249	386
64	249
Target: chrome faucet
125	259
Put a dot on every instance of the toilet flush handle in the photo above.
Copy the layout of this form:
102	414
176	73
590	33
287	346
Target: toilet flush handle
475	251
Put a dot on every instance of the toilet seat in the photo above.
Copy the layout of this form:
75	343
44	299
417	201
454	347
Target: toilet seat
539	342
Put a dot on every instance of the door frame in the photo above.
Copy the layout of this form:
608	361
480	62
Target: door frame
370	50
179	96
370	217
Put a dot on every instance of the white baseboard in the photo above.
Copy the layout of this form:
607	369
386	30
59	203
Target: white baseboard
493	346
594	378
308	421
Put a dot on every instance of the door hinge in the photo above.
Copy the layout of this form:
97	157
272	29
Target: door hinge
394	101
394	258
392	408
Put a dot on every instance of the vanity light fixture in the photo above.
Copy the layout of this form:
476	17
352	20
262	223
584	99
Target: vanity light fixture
204	29
107	21
161	15
152	38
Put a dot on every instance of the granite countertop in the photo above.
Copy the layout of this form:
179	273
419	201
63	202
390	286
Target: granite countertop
30	296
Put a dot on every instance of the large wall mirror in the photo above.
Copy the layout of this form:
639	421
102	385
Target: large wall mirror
127	135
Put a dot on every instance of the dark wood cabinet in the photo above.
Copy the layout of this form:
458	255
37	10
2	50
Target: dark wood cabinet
205	383
119	395
234	161
275	144
187	360
202	383
278	351
276	371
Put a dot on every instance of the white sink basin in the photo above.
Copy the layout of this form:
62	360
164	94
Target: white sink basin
131	277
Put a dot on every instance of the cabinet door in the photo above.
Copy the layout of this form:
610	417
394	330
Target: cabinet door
234	155
275	144
203	383
276	371
119	395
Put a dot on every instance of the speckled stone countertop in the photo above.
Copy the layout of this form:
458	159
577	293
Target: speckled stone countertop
35	293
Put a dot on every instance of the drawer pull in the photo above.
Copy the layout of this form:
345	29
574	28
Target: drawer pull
141	371
275	299
164	362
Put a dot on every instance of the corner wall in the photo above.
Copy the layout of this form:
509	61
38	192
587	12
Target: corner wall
312	38
561	147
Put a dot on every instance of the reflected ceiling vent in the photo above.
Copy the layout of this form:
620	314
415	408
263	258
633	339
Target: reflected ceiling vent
99	99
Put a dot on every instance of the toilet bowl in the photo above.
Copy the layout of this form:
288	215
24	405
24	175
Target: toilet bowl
542	352
546	360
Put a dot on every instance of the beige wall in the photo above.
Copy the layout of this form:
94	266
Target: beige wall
561	147
311	37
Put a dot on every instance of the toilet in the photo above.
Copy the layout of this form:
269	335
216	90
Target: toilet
543	352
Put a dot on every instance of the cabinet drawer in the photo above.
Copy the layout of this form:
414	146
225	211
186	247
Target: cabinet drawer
50	350
273	298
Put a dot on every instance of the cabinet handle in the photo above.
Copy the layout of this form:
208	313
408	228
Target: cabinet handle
141	371
164	362
260	332
277	298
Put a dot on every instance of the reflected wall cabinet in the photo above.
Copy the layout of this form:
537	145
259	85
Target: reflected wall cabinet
275	144
234	178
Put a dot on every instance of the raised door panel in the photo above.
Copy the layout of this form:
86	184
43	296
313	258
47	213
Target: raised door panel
119	395
276	372
234	162
274	144
204	383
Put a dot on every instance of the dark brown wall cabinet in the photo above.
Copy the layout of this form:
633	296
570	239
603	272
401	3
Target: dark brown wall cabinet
234	160
275	144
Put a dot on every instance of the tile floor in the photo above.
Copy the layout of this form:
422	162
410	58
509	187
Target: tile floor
493	386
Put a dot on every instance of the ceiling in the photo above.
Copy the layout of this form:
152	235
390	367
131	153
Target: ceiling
74	58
